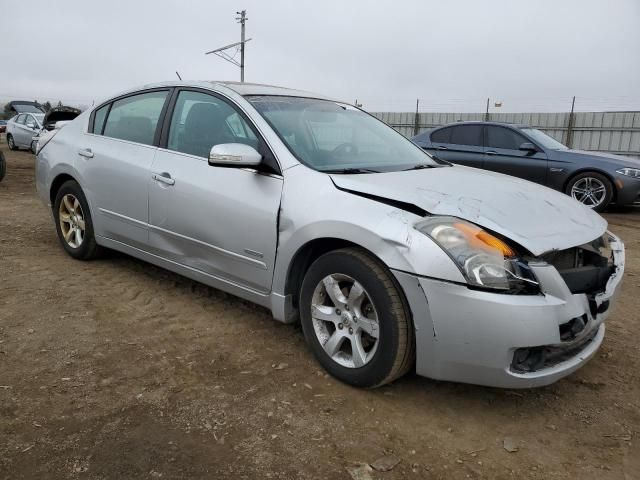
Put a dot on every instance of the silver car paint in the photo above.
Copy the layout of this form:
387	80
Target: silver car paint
23	135
247	247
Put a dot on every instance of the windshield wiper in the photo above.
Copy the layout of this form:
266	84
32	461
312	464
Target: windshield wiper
421	166
351	170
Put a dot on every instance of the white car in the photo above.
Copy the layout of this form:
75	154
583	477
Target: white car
21	130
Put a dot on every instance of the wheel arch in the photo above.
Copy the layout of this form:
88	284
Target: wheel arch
57	182
307	254
606	174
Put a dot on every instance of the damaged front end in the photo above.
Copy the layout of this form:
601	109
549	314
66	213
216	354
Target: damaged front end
591	274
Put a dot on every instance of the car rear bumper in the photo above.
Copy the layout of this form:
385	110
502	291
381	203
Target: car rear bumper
511	341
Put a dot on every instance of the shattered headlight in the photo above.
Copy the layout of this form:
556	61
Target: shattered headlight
485	260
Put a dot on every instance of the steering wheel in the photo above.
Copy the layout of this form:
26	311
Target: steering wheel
346	148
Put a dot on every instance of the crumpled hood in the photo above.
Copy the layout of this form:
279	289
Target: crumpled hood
536	217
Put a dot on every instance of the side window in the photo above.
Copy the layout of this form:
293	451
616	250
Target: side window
29	120
21	118
98	119
200	121
135	118
441	136
467	135
500	137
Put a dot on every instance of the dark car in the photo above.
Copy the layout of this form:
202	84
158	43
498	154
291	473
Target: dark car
3	126
593	178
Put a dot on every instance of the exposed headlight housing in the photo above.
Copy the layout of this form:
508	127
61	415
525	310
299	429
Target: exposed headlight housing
485	260
629	172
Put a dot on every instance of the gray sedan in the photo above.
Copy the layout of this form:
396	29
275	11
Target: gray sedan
316	210
593	178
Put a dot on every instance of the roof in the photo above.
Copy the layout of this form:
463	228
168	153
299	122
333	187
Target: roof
482	122
262	89
241	88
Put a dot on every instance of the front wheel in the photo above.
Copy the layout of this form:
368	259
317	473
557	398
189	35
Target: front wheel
355	319
73	222
592	189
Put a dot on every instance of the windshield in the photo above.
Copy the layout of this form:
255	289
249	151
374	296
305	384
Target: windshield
333	137
39	116
545	140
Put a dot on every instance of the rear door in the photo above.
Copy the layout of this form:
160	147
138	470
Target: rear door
461	144
115	160
503	155
218	220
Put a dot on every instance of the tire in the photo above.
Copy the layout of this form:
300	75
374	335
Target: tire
597	188
3	166
389	356
86	248
11	142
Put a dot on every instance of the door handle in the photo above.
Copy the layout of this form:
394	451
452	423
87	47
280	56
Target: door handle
491	152
86	153
442	148
163	178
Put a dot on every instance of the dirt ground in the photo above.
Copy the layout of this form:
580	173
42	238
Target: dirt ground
117	369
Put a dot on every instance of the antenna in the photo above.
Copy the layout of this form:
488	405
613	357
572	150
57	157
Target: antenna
222	51
178	75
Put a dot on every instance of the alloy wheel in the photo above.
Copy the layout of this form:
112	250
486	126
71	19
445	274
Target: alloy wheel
11	143
71	219
589	191
345	320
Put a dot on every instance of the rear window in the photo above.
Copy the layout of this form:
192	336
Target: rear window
135	118
441	136
467	135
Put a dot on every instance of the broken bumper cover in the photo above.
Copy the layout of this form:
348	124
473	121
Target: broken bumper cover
510	341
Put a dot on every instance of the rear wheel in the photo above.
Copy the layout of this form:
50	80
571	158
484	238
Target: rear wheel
592	189
73	222
355	319
11	142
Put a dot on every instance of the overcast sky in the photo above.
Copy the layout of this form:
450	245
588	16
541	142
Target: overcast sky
532	56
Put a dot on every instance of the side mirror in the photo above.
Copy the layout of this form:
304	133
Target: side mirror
528	147
234	155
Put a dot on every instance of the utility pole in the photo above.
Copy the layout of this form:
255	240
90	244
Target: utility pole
486	114
222	51
570	125
416	123
242	19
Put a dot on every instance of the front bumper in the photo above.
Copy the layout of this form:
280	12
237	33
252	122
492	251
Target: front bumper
485	338
627	190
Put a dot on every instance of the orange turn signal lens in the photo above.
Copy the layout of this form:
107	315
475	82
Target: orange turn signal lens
478	238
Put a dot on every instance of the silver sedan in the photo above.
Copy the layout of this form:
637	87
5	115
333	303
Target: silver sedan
390	259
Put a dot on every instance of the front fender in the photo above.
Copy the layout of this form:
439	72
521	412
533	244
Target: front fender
386	231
